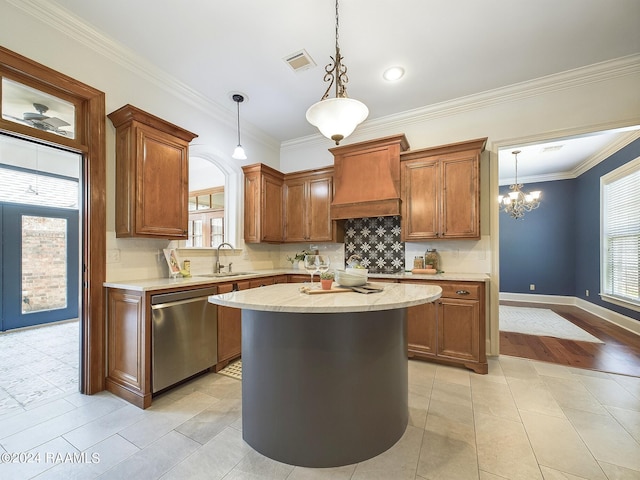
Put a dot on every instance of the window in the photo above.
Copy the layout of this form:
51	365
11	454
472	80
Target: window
620	223
206	218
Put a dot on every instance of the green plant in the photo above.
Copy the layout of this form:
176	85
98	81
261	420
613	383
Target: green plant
326	276
299	256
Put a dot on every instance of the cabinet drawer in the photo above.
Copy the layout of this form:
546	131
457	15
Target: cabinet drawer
469	291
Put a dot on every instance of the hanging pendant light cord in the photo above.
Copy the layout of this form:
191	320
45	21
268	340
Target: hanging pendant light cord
237	99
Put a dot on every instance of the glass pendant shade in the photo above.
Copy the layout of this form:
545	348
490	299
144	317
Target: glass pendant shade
238	153
337	118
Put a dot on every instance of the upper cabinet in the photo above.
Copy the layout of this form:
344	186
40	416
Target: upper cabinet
441	191
152	175
307	197
263	204
367	178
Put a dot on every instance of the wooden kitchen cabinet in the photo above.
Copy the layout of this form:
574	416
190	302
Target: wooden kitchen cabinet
263	204
152	175
441	192
452	329
307	206
229	327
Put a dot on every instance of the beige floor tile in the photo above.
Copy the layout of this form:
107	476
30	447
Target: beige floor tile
457	375
448	449
490	476
551	369
495	374
606	438
255	465
399	462
629	419
631	384
514	367
103	456
214	460
155	459
504	449
451	393
610	393
615	472
211	421
336	473
551	474
161	420
15	423
494	399
421	373
557	445
94	432
533	396
571	393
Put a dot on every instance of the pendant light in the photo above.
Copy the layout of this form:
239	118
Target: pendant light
238	153
518	202
338	117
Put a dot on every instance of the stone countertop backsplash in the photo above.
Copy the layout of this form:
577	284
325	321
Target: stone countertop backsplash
195	281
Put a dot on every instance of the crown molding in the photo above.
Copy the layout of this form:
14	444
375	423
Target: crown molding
74	27
598	72
606	152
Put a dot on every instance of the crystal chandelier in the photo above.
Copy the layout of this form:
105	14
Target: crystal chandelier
517	203
337	118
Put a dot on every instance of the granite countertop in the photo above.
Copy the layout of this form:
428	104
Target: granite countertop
287	297
196	280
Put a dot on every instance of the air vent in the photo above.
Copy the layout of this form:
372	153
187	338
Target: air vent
300	61
552	148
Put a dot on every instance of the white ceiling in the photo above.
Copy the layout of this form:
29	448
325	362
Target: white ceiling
449	49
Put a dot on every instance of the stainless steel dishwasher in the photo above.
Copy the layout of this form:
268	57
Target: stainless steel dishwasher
184	336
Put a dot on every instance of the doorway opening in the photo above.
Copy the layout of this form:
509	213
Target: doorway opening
40	204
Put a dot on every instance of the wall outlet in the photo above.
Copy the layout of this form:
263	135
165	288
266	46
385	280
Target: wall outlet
586	293
532	287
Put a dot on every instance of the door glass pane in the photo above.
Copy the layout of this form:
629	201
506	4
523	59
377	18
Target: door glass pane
31	107
217	200
204	202
197	233
44	263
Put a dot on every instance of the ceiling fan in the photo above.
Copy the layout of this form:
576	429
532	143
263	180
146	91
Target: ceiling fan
41	121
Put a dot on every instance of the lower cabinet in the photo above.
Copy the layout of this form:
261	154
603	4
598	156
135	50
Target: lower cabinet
452	329
229	327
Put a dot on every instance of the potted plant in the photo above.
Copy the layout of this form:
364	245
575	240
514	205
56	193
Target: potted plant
297	258
326	279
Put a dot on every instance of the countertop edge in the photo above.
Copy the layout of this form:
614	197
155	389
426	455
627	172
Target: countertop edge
158	284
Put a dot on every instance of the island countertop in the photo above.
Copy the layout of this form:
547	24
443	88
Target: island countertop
287	297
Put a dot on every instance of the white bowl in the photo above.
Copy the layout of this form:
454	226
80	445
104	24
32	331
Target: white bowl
357	271
348	280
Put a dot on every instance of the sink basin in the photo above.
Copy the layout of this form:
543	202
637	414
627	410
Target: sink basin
223	274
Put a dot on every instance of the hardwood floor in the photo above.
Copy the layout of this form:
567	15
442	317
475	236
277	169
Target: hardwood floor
620	352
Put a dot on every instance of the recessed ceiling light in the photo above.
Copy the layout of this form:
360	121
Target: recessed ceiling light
393	73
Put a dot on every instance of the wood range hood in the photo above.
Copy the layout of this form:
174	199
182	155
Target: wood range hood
367	178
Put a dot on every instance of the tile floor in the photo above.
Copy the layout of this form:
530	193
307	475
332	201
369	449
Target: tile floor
524	420
38	363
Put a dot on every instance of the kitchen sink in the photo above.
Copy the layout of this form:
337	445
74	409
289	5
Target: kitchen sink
223	274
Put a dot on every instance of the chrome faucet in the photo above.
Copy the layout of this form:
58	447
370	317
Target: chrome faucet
217	266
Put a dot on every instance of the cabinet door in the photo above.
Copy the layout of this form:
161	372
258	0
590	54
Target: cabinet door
251	207
459	329
271	219
229	326
162	176
296	225
420	194
319	209
421	329
460	196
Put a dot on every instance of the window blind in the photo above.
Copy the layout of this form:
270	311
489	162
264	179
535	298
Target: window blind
621	234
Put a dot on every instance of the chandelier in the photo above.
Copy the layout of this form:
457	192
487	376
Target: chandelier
338	117
517	203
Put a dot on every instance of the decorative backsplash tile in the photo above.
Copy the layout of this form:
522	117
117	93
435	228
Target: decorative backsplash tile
377	241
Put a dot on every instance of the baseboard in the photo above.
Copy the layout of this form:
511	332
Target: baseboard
616	318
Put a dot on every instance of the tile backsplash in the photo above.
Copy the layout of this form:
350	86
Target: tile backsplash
377	241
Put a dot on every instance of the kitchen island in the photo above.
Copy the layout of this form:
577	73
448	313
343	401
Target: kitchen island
324	380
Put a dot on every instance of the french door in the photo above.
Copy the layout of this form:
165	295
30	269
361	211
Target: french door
40	265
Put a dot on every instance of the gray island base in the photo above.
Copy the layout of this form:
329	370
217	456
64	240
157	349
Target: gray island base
324	377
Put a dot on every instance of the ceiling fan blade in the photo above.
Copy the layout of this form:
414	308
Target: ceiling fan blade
29	116
55	122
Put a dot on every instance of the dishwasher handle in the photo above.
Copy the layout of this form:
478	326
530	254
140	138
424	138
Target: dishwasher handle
192	295
177	302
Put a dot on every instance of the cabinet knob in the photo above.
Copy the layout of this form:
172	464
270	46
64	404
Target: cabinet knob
462	292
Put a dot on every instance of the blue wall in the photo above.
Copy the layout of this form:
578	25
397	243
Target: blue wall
557	246
539	248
